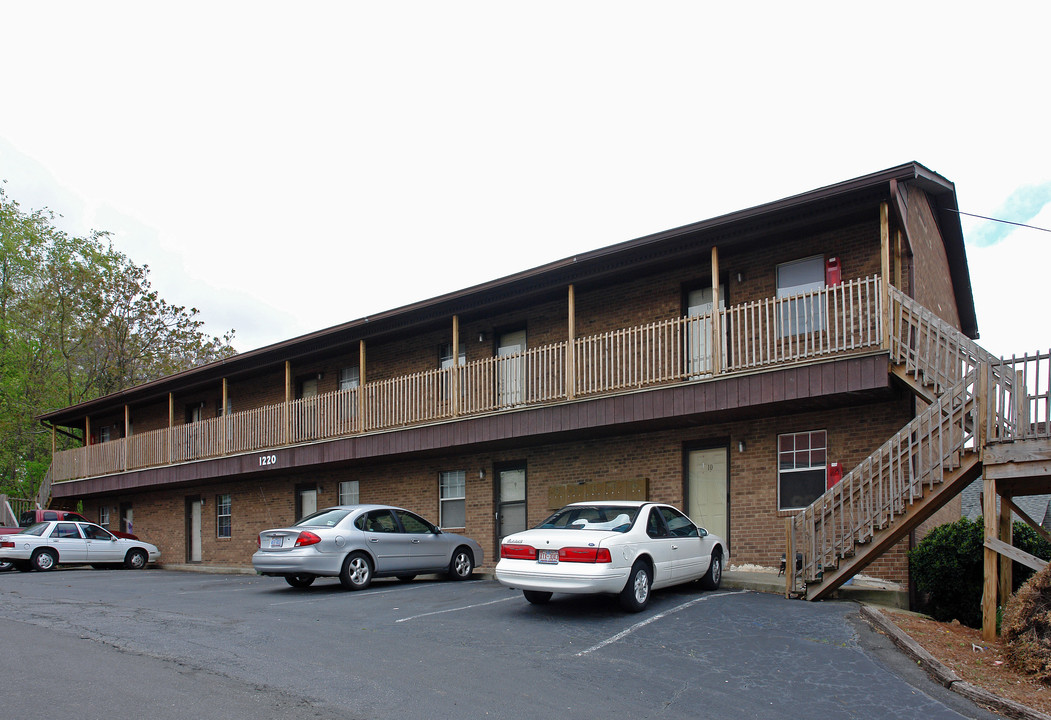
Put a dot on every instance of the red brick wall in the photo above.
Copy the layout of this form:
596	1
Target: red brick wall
934	289
757	527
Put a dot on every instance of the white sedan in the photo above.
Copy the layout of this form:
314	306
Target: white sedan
47	544
621	548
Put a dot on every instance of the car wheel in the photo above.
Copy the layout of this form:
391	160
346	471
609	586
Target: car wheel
406	578
536	596
5	565
462	564
44	560
357	572
714	576
136	559
636	593
301	580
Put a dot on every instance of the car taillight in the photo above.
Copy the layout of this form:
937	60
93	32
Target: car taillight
307	538
518	552
584	555
6	543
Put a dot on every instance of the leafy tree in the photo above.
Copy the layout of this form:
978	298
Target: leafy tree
78	320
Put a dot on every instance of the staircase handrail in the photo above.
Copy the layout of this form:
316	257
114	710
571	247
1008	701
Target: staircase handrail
883	484
928	346
43	496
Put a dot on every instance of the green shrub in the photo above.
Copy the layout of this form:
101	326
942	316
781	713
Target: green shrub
948	565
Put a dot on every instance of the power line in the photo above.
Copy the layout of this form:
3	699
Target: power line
1006	222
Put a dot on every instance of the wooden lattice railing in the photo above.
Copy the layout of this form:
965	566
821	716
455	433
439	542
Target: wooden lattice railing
836	320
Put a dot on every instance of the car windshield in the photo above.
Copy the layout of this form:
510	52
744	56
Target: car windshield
37	529
324	518
617	518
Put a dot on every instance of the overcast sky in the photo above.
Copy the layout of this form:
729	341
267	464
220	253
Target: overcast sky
285	167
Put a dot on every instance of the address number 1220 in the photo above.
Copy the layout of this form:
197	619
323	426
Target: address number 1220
267	460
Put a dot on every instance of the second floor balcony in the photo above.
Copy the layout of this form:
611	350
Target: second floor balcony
837	320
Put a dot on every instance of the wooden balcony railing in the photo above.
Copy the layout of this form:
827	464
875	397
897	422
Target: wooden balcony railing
840	319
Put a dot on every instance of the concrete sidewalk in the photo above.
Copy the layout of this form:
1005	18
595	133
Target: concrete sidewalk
861	589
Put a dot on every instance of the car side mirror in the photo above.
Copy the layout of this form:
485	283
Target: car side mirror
702	532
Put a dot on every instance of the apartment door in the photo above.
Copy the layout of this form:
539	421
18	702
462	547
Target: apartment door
306	501
193	529
708	490
510	500
127	518
510	379
699	350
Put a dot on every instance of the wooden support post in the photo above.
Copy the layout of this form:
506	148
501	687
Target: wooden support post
1006	534
288	401
87	430
224	436
884	236
717	339
990	585
127	434
171	428
454	380
982	408
571	346
362	425
790	559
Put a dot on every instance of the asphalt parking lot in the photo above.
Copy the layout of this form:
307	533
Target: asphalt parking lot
443	649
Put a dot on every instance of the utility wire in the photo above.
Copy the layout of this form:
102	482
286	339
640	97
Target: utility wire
1006	222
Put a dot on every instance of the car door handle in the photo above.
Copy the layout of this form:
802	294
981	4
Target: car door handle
416	540
374	539
674	547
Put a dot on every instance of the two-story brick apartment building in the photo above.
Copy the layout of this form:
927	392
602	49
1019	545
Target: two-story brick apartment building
732	367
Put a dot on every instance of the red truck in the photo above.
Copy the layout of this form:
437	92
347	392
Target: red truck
32	517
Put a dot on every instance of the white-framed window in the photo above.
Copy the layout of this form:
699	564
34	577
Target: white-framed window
803	314
222	516
452	506
349	378
801	468
104	517
348	492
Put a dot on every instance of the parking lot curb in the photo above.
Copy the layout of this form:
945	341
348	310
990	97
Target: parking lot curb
943	674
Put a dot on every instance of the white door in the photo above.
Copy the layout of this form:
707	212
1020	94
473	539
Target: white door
511	502
709	490
510	381
699	349
195	531
307	502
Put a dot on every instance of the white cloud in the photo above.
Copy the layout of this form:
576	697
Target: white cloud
286	168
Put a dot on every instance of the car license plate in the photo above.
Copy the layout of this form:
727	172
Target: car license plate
276	541
548	557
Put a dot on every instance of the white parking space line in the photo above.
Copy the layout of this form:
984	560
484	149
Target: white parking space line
327	597
456	609
658	616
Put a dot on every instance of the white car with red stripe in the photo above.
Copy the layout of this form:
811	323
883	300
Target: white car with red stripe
624	548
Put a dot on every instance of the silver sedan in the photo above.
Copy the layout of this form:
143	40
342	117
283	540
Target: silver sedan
359	542
47	544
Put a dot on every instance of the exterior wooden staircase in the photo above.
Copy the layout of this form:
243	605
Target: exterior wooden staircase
974	399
